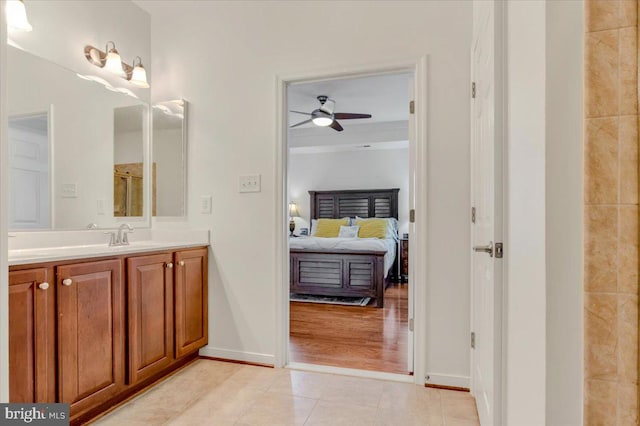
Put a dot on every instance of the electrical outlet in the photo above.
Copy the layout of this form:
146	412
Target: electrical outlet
205	204
69	190
250	183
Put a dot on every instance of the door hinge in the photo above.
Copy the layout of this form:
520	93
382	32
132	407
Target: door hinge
499	249
473	215
473	90
412	215
410	324
412	107
473	340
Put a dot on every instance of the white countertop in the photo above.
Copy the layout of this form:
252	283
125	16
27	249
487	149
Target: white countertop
49	254
50	246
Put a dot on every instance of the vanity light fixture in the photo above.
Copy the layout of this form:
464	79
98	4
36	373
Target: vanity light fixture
17	16
112	62
138	75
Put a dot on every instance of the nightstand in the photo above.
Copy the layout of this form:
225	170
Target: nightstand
404	260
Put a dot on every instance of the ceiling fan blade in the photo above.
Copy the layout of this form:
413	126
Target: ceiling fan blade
301	123
300	112
350	116
336	126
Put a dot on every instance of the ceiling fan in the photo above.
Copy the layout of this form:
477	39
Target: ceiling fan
324	116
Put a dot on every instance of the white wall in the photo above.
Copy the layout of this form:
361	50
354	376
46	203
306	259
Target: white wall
4	210
525	222
224	57
128	147
564	163
362	169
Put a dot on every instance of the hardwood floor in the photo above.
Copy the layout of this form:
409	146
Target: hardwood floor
367	338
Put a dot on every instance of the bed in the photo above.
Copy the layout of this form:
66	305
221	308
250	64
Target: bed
346	267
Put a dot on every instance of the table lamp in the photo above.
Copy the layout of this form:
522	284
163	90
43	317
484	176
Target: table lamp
293	212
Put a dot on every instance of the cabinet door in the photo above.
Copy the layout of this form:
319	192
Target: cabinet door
150	314
90	333
191	316
31	336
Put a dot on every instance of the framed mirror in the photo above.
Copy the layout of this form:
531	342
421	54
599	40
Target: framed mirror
70	135
170	158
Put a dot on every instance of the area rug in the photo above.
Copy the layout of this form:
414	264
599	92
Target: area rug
331	300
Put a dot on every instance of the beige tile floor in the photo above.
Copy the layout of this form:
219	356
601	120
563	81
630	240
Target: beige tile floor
219	393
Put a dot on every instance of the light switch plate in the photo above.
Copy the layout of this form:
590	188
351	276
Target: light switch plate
205	204
69	190
250	183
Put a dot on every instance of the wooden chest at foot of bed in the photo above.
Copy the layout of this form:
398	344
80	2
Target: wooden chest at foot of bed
338	273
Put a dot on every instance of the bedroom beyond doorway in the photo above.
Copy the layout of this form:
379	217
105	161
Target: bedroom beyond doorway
349	195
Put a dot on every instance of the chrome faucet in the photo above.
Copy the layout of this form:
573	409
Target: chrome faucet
121	239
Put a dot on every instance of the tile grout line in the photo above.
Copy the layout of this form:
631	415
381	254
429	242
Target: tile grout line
311	412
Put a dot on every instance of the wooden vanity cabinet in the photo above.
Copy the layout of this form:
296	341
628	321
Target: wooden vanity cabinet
112	327
191	307
91	333
32	370
150	314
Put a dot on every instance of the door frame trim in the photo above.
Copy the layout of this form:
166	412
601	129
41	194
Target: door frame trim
418	66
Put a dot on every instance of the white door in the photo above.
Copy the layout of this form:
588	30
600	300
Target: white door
486	201
29	197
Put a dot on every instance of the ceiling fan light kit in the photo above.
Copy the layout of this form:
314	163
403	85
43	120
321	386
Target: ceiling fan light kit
323	120
325	117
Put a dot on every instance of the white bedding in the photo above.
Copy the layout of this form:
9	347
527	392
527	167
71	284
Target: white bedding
389	245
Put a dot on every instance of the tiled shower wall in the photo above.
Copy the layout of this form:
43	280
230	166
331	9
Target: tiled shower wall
611	212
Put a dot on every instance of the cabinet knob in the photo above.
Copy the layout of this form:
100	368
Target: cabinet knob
67	281
43	286
169	265
181	263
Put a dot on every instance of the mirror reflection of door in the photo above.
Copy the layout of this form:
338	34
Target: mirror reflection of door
29	187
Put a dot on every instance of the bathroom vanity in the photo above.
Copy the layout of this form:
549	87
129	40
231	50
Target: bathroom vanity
93	325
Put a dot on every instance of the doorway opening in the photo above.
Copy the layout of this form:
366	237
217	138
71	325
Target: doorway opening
350	292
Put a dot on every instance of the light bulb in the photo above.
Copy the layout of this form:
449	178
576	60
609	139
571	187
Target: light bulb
139	77
322	121
17	16
113	63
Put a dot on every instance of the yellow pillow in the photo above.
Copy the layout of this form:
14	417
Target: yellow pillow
329	228
372	228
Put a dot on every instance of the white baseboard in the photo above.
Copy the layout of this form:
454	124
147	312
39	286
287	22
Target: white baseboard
251	357
393	377
448	380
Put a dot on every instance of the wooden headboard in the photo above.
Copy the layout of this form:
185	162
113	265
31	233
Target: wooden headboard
354	202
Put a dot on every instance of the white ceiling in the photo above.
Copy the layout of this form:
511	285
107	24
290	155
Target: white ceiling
385	97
